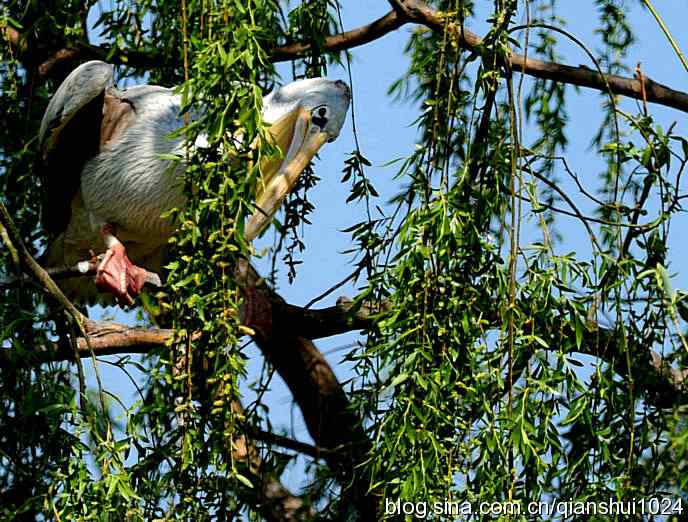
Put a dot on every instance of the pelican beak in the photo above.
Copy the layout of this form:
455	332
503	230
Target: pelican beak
299	139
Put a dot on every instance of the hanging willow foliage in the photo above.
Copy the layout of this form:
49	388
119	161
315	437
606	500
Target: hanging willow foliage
524	338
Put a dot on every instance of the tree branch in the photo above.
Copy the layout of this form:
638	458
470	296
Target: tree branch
403	12
419	12
288	443
33	268
326	409
322	400
109	338
665	385
342	41
276	503
82	268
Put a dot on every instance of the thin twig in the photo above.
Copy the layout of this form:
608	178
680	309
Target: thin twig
82	268
667	33
288	443
34	269
30	264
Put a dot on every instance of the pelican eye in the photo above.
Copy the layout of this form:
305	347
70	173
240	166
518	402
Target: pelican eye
319	116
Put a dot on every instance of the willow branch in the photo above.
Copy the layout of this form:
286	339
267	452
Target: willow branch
33	268
666	384
419	12
276	503
403	12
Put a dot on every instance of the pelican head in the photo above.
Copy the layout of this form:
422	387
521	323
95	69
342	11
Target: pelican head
303	116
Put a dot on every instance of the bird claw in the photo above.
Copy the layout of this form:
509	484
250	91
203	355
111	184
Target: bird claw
118	275
152	279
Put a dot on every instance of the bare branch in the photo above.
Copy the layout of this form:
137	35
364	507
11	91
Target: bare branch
82	268
342	41
105	338
109	338
288	443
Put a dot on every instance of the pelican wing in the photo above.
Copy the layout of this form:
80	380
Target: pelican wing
70	134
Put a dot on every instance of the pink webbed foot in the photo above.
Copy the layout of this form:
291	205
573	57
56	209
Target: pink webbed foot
118	275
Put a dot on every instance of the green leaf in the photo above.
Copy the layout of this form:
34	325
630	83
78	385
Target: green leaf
246	482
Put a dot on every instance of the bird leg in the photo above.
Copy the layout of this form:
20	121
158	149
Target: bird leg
117	274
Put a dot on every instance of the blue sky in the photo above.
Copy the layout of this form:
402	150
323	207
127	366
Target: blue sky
385	132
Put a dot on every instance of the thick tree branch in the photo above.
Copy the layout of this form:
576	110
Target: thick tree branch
403	12
665	385
342	41
326	410
419	12
322	400
325	407
108	338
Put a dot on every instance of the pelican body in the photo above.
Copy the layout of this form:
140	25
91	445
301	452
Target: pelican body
106	185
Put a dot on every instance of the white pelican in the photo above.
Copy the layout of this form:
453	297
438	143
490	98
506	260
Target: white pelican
106	185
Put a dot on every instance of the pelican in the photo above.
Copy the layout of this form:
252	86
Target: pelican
106	185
